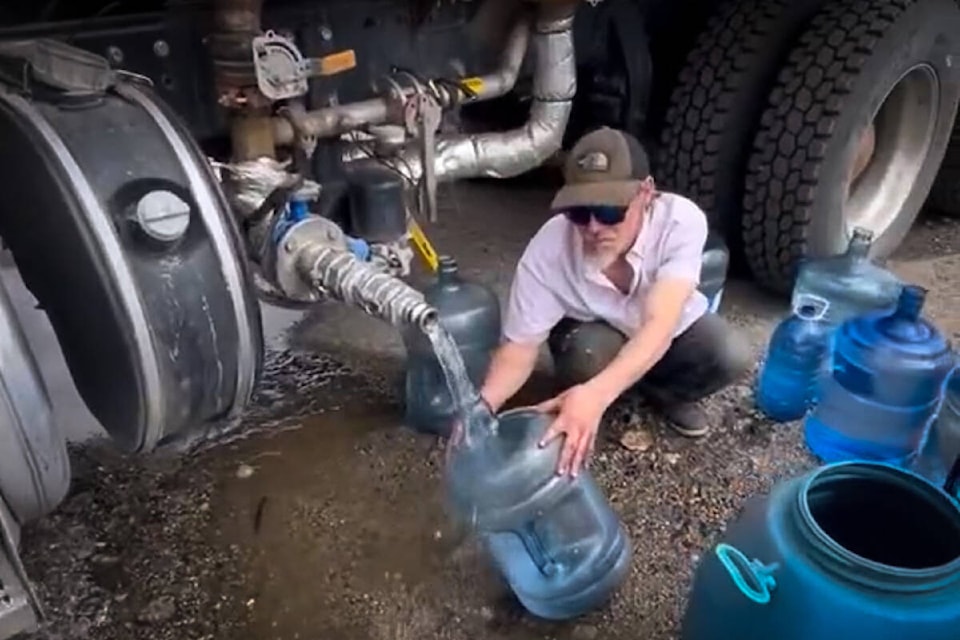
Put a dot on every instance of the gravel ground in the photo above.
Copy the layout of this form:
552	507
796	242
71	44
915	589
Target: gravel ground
326	520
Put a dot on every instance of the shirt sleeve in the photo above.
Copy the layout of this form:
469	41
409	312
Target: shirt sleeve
532	310
683	246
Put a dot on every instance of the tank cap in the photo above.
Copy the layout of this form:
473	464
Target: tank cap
163	215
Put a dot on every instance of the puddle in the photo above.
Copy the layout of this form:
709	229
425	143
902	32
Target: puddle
342	526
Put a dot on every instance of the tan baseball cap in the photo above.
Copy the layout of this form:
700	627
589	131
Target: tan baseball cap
605	167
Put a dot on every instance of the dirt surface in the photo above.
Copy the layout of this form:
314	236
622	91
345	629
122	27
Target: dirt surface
327	521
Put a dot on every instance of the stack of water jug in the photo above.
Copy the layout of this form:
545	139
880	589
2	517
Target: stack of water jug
868	544
870	376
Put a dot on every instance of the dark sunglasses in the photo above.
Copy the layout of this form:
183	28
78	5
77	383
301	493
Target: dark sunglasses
604	214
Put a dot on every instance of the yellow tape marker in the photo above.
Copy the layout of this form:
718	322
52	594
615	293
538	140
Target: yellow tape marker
336	63
426	250
474	84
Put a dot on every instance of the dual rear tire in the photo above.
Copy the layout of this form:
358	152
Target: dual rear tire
796	121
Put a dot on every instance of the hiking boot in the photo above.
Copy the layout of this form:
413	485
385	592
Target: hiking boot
688	419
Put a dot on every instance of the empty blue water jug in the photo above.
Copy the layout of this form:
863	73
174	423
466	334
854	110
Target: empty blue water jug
883	387
850	282
942	446
713	270
470	313
850	550
555	539
789	378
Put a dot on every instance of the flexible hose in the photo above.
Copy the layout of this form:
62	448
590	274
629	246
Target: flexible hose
340	275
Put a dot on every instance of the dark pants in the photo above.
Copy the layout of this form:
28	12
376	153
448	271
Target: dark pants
705	358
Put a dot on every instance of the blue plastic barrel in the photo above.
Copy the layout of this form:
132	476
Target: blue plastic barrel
851	550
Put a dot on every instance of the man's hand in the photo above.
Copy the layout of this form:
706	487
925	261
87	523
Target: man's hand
579	410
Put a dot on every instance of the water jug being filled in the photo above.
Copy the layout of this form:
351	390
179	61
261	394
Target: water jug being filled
883	387
713	270
942	446
790	376
850	282
470	313
556	540
850	550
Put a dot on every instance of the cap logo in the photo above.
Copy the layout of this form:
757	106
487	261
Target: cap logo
594	161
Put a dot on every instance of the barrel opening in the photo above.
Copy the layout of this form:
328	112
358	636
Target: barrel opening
886	517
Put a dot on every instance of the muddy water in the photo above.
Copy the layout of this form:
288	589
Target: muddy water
344	534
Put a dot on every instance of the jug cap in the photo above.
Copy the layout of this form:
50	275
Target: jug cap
860	242
447	266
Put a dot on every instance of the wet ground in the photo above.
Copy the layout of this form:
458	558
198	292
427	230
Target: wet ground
326	520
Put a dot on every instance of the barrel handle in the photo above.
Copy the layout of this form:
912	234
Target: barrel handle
736	564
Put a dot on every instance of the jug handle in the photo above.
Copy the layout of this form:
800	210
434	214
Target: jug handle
761	575
531	541
821	305
932	420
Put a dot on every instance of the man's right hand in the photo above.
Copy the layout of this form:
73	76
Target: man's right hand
510	368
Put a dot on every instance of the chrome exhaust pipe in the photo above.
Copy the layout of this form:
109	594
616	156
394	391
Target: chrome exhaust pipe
510	153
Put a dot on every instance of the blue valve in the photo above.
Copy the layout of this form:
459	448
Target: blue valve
359	248
295	211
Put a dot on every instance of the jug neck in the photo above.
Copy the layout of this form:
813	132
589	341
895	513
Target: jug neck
448	272
843	563
910	303
905	325
860	242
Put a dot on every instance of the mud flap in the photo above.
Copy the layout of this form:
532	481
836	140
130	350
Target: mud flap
34	467
121	231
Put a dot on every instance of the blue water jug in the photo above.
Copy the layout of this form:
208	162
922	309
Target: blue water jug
883	387
942	446
789	378
470	314
850	282
555	539
850	550
715	263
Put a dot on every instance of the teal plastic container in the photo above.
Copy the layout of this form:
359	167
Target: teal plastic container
850	550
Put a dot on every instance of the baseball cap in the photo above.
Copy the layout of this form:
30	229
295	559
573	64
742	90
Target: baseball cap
605	167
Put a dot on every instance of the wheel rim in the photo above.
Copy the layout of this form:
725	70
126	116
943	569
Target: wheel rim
891	151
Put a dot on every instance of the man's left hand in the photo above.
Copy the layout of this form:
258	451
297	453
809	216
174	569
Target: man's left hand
579	410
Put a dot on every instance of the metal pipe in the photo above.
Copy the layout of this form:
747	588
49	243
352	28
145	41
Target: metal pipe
511	153
340	275
335	121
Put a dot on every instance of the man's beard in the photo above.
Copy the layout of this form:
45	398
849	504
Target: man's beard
601	257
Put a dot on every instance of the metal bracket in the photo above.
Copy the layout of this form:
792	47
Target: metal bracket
422	115
279	66
306	141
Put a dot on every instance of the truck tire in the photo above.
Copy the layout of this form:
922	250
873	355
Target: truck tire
875	70
715	107
945	194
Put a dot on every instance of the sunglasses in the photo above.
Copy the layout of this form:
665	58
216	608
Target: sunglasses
605	214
